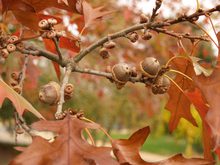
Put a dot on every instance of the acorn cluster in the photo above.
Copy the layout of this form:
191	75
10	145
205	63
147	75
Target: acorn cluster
70	111
104	51
48	29
15	80
50	93
9	44
149	73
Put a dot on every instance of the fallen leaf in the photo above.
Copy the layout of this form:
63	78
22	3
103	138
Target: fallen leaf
20	103
69	146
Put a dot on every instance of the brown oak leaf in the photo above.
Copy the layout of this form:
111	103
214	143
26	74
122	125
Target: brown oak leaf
127	152
68	148
178	104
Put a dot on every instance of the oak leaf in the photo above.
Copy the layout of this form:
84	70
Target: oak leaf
201	105
127	152
68	148
210	87
20	103
178	104
92	14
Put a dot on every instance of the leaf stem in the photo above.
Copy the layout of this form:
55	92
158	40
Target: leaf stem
101	128
173	58
174	83
90	136
176	71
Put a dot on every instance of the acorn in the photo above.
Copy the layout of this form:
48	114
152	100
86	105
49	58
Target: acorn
161	86
103	52
15	76
43	24
110	45
12	39
51	34
150	66
146	36
121	72
133	37
20	46
60	33
13	82
17	89
4	53
143	18
50	93
68	88
11	47
52	21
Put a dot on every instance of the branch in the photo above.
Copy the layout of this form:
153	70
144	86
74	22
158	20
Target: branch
149	25
179	35
122	33
57	48
65	81
93	72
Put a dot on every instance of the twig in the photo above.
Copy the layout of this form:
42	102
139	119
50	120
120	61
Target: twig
65	81
23	73
93	72
154	12
179	35
57	48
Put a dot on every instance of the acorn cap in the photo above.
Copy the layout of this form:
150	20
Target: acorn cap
121	72
143	18
43	24
150	66
133	37
110	45
69	88
103	52
4	53
12	39
11	47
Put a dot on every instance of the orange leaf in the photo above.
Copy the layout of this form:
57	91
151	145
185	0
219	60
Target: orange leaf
18	101
92	14
201	106
178	104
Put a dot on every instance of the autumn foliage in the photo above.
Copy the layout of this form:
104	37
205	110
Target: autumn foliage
39	31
